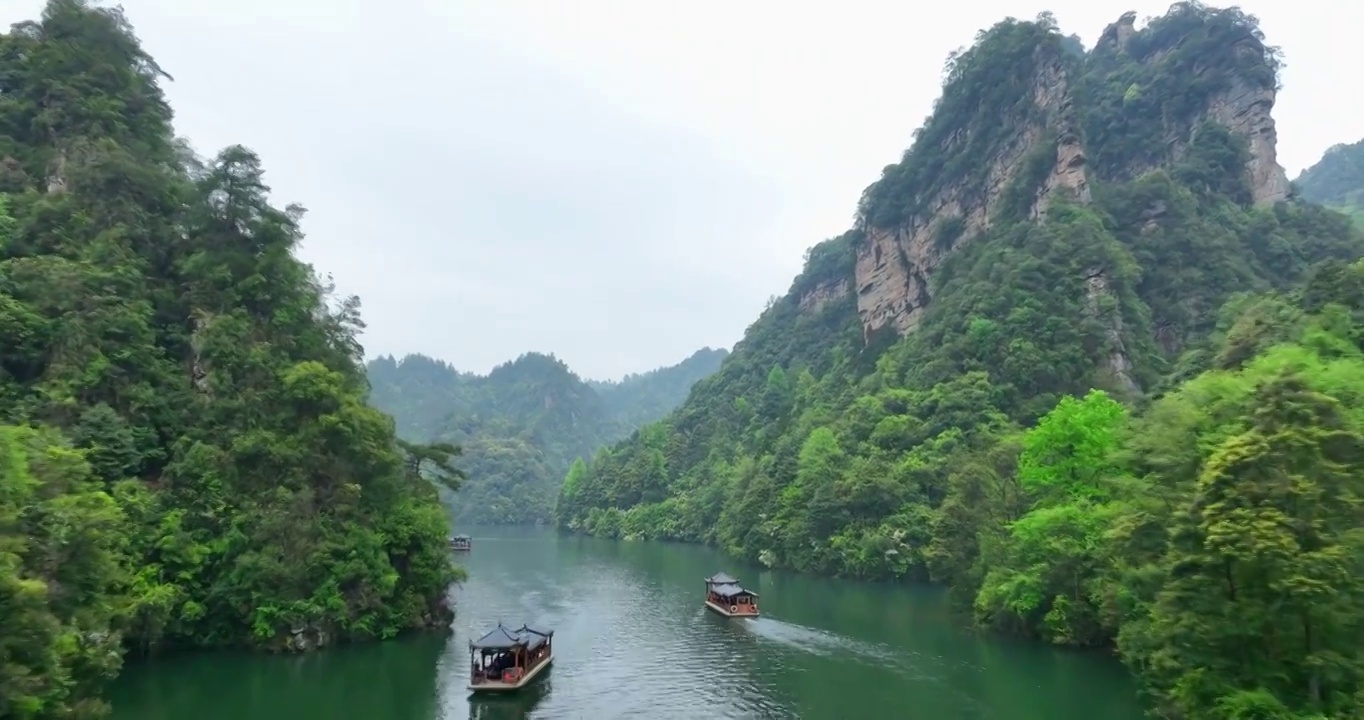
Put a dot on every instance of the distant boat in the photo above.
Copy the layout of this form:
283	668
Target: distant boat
461	543
506	660
725	596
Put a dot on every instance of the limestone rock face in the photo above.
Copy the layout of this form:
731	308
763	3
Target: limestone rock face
1245	109
895	265
823	294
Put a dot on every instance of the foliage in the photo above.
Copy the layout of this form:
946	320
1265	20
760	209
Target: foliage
641	398
1129	423
185	455
1236	548
1337	180
521	426
1139	94
63	557
966	125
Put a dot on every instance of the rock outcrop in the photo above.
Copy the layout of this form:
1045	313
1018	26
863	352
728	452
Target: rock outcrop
1245	106
1245	109
894	265
824	293
1117	366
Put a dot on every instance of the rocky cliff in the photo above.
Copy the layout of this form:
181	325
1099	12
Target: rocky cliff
1239	84
1057	107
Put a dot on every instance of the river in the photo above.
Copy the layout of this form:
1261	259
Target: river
633	640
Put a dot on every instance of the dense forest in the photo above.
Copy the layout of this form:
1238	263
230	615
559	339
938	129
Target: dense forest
186	455
1131	419
1337	180
520	426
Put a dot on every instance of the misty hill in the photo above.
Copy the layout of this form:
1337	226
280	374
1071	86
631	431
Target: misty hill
1081	358
522	424
1337	180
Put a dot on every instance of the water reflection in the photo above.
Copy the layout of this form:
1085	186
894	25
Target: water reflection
360	681
512	706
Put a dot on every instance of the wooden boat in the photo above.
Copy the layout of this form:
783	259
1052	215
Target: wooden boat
506	659
725	596
461	543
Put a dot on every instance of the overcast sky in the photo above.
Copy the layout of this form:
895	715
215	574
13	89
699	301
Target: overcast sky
617	182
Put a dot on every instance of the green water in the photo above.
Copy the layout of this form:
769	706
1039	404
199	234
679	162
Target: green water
632	640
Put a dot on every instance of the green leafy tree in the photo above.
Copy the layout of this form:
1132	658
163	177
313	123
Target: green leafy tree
63	565
1263	591
435	460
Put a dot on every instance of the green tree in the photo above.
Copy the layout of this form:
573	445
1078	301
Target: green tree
1264	590
63	562
1069	453
435	460
1045	572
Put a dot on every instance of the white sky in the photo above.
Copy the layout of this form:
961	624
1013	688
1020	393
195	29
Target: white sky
617	182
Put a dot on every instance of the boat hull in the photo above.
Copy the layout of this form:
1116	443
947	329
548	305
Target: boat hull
725	611
494	686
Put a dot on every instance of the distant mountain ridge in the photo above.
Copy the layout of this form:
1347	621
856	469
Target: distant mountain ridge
1337	180
523	423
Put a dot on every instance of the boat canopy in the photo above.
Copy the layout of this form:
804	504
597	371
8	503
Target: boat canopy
721	578
503	638
729	590
460	537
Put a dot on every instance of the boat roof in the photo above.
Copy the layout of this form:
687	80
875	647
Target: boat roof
731	590
722	578
460	537
503	638
529	629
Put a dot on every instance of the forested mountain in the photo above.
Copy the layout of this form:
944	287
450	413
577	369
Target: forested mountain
186	458
521	425
641	398
1337	180
1081	358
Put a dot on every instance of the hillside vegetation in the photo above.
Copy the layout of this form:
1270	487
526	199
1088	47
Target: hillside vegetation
521	425
1123	416
186	458
1337	180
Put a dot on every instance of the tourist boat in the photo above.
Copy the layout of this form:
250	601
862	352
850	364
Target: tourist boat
725	596
506	659
461	543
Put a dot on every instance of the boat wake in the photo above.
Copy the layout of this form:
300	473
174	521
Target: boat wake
907	666
825	643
